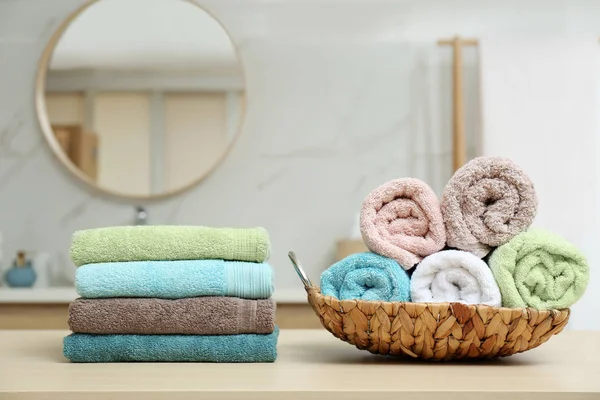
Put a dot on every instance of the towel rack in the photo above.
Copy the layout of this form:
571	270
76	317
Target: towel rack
459	141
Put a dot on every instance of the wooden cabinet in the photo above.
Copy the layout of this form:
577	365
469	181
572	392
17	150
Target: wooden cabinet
348	247
80	146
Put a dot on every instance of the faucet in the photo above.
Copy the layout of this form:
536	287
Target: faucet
141	216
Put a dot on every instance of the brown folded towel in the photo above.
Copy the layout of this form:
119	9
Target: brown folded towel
193	316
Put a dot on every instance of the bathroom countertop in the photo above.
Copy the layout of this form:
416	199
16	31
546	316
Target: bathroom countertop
312	364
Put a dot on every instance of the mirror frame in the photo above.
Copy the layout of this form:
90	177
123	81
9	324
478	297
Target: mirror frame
50	138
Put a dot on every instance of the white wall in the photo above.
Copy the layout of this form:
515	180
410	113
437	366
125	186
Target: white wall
144	34
335	96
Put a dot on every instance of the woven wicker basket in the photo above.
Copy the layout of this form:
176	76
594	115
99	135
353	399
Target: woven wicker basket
433	331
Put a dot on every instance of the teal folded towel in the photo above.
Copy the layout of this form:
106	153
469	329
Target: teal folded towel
175	279
248	348
165	243
366	276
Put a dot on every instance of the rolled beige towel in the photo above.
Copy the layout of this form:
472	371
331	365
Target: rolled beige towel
486	203
401	219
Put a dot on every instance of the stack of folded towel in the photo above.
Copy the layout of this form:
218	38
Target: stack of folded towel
172	293
474	246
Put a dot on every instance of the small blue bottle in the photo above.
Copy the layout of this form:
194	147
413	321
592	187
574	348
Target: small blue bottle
21	274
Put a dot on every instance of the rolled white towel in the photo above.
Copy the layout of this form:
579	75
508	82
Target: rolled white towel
454	276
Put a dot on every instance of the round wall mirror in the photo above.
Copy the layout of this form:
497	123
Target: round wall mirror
140	98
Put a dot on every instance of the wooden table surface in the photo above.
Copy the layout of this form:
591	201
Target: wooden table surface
312	364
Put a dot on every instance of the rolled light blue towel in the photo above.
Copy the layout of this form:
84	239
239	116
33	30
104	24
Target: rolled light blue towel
366	276
175	279
247	348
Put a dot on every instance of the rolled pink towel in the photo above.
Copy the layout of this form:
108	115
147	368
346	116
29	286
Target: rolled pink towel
401	219
487	202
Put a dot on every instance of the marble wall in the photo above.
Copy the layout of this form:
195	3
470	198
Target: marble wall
342	96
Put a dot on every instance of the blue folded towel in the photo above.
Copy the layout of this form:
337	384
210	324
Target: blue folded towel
366	276
175	279
88	348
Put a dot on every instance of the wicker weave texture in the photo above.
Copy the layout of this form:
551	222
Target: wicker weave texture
436	331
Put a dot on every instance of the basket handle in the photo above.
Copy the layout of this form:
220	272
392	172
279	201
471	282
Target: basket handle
300	271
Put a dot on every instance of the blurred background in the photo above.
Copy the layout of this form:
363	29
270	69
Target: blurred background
282	114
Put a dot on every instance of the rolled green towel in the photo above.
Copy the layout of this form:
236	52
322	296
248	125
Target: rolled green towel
169	243
541	270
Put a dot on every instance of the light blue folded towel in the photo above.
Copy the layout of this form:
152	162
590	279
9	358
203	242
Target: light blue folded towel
366	276
88	348
175	279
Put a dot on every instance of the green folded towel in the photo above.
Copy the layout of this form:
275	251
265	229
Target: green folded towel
541	270
169	243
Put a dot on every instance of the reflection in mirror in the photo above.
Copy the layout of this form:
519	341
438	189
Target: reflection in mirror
143	97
